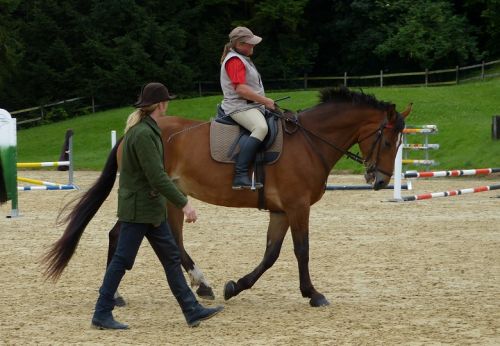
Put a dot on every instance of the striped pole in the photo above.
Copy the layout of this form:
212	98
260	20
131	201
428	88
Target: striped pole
360	187
414	146
434	127
452	173
420	131
419	162
57	187
42	164
37	182
450	193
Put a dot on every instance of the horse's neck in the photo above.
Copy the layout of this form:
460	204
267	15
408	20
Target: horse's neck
338	126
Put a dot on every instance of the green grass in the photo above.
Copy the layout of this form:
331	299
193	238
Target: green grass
463	114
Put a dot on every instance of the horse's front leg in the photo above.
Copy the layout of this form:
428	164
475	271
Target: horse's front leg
176	222
278	225
299	224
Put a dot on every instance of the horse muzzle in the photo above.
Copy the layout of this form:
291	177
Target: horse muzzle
376	179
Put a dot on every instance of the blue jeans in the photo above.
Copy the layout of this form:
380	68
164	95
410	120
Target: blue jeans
167	251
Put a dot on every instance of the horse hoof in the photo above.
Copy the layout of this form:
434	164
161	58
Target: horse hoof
229	289
205	292
120	302
318	301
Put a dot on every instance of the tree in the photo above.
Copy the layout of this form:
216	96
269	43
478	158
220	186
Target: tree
56	49
430	35
209	23
133	43
52	37
285	51
492	17
10	49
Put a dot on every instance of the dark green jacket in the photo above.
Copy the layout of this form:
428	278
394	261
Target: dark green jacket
144	185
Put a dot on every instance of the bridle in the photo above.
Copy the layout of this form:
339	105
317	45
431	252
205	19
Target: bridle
371	167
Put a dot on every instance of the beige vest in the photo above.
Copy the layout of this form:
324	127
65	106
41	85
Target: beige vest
232	101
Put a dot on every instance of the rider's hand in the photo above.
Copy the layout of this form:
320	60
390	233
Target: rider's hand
189	213
269	103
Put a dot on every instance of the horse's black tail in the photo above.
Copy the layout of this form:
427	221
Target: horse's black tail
3	186
59	254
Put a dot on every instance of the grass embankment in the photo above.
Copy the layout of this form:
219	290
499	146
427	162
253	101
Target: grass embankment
463	114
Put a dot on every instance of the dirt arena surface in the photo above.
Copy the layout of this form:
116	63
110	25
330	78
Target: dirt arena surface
414	273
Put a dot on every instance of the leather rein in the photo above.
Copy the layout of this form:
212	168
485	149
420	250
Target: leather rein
370	167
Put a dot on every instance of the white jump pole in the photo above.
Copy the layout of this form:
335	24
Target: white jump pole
398	163
113	139
70	157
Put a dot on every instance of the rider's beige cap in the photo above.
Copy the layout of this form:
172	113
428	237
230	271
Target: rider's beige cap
243	34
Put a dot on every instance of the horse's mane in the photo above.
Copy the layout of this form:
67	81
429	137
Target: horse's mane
343	94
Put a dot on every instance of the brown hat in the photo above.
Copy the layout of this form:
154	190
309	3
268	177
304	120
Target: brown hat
153	93
244	34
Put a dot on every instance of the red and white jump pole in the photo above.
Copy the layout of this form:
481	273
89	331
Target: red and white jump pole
398	175
452	173
450	193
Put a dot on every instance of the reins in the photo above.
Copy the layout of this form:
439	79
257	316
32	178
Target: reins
308	133
355	157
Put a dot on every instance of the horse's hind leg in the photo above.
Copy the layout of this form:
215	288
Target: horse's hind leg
113	242
176	222
278	225
299	224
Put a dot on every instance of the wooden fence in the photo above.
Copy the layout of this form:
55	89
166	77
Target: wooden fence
39	113
456	75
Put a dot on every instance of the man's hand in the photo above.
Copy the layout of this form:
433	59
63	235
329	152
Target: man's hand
189	213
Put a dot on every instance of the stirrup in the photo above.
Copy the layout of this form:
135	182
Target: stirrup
257	186
247	184
253	186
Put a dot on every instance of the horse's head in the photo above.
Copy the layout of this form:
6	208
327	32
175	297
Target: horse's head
379	143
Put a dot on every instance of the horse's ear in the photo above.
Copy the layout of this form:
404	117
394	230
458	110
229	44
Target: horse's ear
392	107
407	111
392	111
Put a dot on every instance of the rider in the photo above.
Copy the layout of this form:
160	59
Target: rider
244	98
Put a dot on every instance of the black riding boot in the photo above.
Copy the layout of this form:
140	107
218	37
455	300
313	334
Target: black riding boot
193	311
246	155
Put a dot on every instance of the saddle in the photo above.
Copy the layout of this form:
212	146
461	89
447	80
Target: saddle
226	136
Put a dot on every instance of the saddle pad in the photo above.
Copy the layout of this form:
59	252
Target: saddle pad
223	137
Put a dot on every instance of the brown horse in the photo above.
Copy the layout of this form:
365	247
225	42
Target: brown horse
324	133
